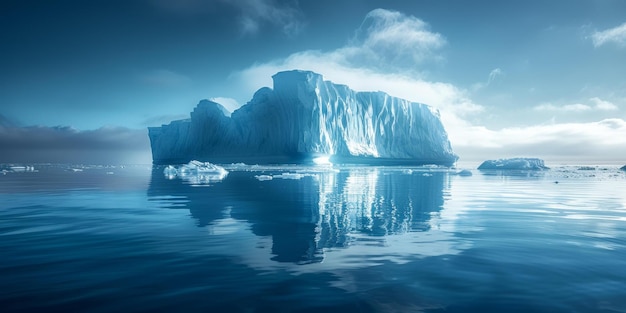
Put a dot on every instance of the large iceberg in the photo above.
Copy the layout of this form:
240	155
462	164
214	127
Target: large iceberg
302	118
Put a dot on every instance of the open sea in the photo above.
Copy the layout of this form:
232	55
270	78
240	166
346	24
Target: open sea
312	239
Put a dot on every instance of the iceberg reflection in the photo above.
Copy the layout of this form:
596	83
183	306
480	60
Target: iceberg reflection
320	211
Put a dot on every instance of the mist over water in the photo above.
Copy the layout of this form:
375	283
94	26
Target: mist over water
366	239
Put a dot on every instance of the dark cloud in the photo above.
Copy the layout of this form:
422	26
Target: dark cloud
252	15
63	144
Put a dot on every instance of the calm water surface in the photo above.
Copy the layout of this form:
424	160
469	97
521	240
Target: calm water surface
312	239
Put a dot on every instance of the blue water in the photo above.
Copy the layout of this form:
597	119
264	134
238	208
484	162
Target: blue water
342	239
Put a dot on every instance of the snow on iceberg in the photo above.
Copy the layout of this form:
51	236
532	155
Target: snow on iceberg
514	164
303	118
196	172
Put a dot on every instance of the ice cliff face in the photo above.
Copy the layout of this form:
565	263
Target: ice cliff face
303	117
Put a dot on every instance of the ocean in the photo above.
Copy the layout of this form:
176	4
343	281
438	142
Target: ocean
312	239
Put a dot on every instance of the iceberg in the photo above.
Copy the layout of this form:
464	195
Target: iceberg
514	164
305	118
623	168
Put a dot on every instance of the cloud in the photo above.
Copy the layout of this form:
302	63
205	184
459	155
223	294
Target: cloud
576	107
603	104
495	73
255	13
65	144
598	105
164	78
595	141
395	39
616	35
183	6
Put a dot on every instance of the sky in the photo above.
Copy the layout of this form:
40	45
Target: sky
80	81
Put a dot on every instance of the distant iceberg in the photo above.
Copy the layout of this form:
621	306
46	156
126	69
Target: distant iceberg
514	164
304	118
22	168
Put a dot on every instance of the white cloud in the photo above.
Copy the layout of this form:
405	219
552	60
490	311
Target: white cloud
576	107
598	105
616	35
495	73
603	104
396	39
595	141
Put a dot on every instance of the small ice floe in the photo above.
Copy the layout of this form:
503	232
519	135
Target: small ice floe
238	166
263	177
290	176
196	172
293	176
22	168
464	173
586	168
110	173
427	174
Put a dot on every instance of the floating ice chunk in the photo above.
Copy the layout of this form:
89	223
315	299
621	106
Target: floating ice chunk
197	172
464	173
322	160
263	177
170	171
294	176
239	166
22	168
290	176
586	168
514	164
